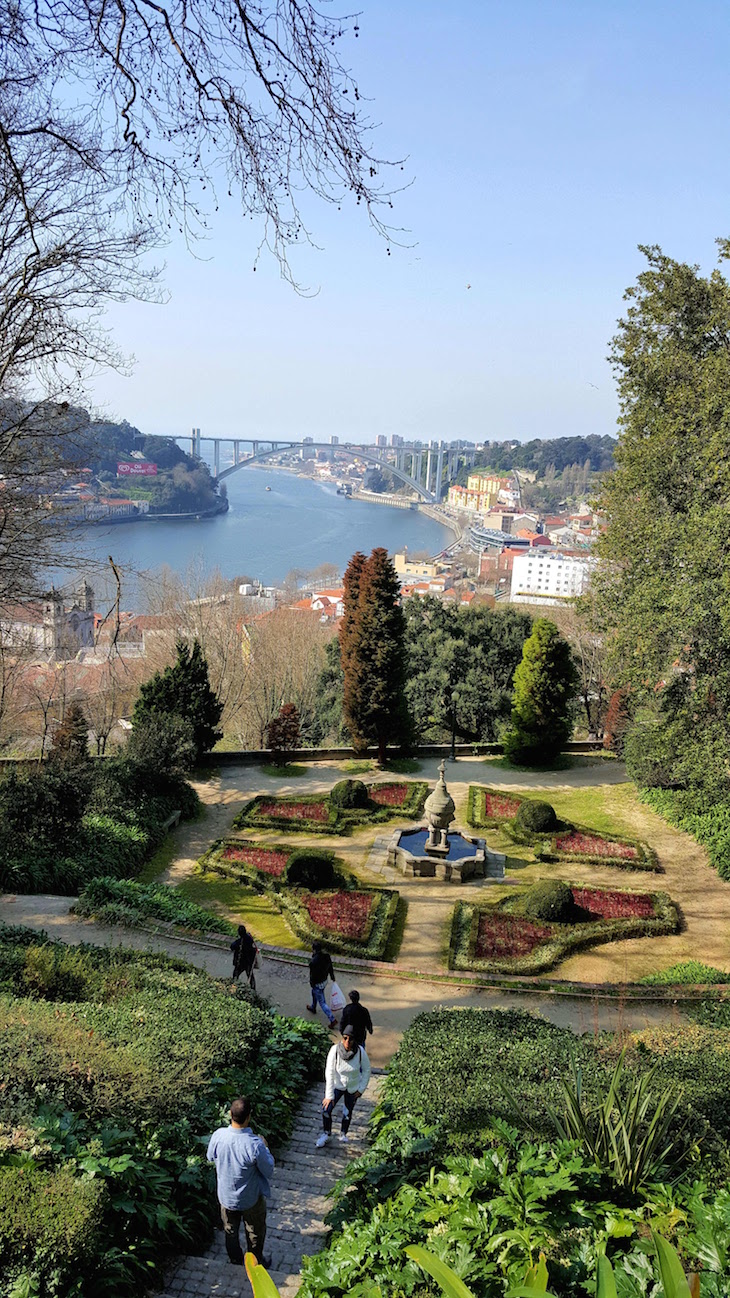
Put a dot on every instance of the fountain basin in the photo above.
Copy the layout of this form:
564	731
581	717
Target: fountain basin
466	858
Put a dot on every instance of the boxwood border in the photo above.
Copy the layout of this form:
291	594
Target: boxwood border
465	923
285	898
478	821
340	820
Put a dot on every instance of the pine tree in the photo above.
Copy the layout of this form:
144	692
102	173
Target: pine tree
545	683
372	645
71	739
184	690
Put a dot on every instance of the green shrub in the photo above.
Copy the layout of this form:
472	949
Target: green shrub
349	794
689	973
550	900
126	902
313	869
703	815
49	1221
536	817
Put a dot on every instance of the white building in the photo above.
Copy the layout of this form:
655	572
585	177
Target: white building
540	578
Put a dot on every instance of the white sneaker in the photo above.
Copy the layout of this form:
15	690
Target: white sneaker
322	1140
343	1138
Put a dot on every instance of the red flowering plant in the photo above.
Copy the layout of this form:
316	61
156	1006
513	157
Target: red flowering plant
501	936
489	808
285	810
345	912
388	795
268	860
588	846
606	903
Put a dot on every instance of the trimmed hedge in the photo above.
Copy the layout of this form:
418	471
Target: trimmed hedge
341	820
121	901
551	899
563	941
313	868
536	817
49	1221
476	812
287	899
646	858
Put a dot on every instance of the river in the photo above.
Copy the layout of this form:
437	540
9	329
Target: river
299	523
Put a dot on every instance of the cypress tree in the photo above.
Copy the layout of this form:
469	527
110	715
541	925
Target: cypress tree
372	646
184	690
544	687
71	739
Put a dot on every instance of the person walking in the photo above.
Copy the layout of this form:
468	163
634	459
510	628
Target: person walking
245	952
356	1017
243	1167
346	1075
320	969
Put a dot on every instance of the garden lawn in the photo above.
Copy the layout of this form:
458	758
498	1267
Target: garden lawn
241	905
703	899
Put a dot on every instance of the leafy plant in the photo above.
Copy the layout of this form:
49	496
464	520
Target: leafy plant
535	817
630	1133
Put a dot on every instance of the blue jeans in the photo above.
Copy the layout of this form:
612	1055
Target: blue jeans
318	999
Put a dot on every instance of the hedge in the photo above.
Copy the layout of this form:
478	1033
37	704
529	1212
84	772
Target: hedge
564	939
49	1221
122	901
476	814
340	820
286	899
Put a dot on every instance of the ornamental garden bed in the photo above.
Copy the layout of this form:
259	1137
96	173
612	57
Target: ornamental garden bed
491	809
502	938
352	918
321	814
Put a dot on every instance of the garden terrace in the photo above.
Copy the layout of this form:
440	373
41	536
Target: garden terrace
318	814
353	919
105	1056
503	938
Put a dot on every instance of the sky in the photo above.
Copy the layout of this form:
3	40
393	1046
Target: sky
544	142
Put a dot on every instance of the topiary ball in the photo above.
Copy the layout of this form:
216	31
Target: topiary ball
313	869
349	794
550	900
535	817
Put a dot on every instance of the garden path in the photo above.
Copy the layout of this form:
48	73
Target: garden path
302	1179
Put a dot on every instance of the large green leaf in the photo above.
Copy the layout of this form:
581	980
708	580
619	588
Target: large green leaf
605	1285
261	1283
448	1280
674	1281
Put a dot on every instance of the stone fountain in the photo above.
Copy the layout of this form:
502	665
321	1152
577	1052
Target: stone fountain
432	851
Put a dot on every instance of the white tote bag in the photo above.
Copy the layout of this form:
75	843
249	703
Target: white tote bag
337	1000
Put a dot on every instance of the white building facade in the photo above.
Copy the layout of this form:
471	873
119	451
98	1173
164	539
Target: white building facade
540	578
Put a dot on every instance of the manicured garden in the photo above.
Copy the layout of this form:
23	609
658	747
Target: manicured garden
315	893
349	805
114	1066
532	930
481	1154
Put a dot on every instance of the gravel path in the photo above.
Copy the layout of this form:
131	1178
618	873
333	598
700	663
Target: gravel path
295	1228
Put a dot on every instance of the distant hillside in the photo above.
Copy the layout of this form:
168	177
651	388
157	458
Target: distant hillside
592	453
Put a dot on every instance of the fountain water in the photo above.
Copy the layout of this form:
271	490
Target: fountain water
434	852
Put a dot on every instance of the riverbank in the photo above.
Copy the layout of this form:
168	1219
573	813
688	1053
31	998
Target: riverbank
222	506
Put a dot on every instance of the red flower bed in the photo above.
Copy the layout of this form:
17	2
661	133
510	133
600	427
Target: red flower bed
261	858
604	903
295	810
389	795
593	845
340	912
498	807
503	936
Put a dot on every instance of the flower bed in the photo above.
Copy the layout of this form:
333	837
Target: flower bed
592	848
353	919
577	844
604	903
348	913
316	813
488	808
496	939
269	860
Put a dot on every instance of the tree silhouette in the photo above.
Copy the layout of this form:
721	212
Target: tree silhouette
372	647
544	687
183	690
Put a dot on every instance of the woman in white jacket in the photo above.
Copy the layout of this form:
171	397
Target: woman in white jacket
347	1073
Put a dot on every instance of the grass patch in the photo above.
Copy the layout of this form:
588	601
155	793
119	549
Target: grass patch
240	905
404	765
690	973
358	767
563	762
289	772
611	810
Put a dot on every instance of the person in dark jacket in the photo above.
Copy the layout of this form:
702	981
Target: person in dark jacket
320	969
244	955
357	1018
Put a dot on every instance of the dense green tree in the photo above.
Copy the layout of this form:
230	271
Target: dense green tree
41	807
662	590
328	725
183	690
461	662
372	644
544	689
162	744
71	738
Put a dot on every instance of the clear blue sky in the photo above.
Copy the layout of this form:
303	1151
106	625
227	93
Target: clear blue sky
545	140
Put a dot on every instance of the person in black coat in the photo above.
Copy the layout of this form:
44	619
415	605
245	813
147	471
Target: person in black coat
357	1018
244	955
320	969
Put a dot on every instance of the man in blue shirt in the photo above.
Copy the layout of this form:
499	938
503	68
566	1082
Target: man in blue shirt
243	1166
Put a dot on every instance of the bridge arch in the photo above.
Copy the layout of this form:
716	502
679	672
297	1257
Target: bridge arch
350	451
